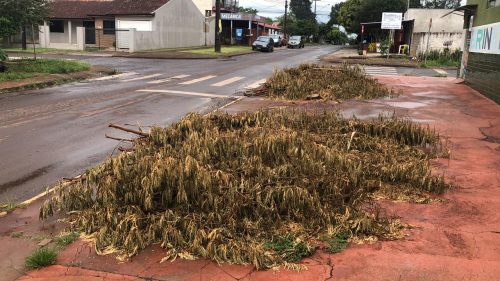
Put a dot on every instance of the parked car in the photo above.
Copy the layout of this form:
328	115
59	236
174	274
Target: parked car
296	42
278	42
263	43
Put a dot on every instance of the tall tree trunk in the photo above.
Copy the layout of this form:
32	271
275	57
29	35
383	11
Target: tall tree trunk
33	40
23	38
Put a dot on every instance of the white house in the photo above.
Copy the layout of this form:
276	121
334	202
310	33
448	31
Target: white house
128	25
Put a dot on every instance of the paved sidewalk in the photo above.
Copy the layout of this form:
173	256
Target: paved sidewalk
458	239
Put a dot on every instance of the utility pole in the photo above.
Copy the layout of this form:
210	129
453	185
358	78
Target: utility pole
286	18
315	15
217	26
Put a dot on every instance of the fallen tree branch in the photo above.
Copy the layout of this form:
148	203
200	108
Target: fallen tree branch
122	149
114	126
118	139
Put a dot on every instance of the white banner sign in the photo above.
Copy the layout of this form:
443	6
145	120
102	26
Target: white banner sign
230	16
392	20
485	39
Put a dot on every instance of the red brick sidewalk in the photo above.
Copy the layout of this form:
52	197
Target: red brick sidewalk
455	240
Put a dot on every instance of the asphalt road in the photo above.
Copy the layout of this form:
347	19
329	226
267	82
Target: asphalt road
49	134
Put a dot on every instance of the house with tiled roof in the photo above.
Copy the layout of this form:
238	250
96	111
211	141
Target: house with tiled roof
129	25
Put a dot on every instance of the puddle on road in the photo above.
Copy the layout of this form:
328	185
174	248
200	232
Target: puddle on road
407	104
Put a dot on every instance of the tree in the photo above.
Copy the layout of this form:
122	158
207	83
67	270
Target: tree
355	12
245	10
337	37
268	20
301	9
302	20
348	14
441	4
22	13
334	14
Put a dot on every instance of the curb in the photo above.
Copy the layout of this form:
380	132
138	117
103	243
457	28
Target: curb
360	62
173	57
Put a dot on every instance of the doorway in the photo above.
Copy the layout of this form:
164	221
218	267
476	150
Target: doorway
89	32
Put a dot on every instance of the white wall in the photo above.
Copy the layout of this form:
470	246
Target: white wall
62	40
56	37
204	5
436	41
179	23
443	29
452	23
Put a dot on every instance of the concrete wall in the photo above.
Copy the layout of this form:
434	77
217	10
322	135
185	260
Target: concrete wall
450	24
62	40
482	71
483	74
74	25
56	37
103	40
204	5
436	41
443	29
484	15
179	23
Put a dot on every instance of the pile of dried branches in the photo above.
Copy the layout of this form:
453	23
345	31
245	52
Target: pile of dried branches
313	81
223	187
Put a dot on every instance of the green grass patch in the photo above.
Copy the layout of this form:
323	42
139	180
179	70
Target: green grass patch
52	66
65	239
17	234
29	68
337	243
11	76
30	50
41	258
10	206
289	248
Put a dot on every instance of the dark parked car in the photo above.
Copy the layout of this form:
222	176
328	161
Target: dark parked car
296	42
278	42
263	43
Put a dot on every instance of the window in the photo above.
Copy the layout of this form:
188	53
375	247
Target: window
56	26
109	27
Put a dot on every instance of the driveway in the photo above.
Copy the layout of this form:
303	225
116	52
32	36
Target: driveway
49	134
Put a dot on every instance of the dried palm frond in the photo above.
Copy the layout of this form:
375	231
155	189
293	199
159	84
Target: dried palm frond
312	81
225	186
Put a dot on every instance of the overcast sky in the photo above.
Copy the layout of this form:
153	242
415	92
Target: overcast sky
275	8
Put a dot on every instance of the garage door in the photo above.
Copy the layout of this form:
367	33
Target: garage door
123	27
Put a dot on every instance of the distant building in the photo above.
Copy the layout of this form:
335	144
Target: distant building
243	29
126	25
428	28
421	30
481	59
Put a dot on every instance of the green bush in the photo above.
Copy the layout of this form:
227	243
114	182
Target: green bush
290	248
337	243
66	239
41	258
385	46
337	37
3	55
436	58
